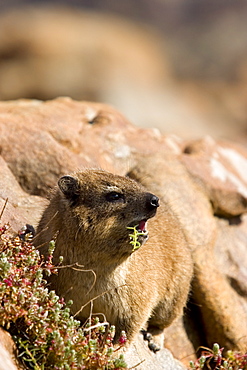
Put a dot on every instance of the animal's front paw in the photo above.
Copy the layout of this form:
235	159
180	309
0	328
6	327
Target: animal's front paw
27	231
151	344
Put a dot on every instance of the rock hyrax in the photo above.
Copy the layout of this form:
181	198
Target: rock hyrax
89	214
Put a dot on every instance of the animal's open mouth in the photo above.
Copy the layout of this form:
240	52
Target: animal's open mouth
138	233
142	226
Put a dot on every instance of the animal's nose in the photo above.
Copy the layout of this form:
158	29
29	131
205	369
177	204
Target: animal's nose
153	201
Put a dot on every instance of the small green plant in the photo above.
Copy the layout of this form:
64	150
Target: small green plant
134	237
214	360
46	335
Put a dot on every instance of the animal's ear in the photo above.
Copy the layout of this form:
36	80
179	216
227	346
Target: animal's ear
69	186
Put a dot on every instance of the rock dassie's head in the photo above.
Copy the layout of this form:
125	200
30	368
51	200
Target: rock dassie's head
101	206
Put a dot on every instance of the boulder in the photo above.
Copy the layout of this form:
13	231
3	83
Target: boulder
41	141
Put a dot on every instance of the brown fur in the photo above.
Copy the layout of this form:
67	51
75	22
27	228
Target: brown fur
149	285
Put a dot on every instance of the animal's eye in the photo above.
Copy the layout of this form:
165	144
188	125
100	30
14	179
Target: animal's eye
114	197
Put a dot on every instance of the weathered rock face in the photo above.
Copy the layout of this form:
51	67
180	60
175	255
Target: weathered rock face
220	169
203	182
20	207
48	139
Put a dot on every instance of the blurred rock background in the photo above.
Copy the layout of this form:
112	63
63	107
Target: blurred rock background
177	65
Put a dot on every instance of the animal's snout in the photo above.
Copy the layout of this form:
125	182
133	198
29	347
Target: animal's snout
152	201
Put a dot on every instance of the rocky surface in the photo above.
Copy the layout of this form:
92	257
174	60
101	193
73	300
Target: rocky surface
220	169
7	352
139	357
64	135
19	206
203	181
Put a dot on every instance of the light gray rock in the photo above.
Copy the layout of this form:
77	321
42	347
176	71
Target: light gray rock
139	357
